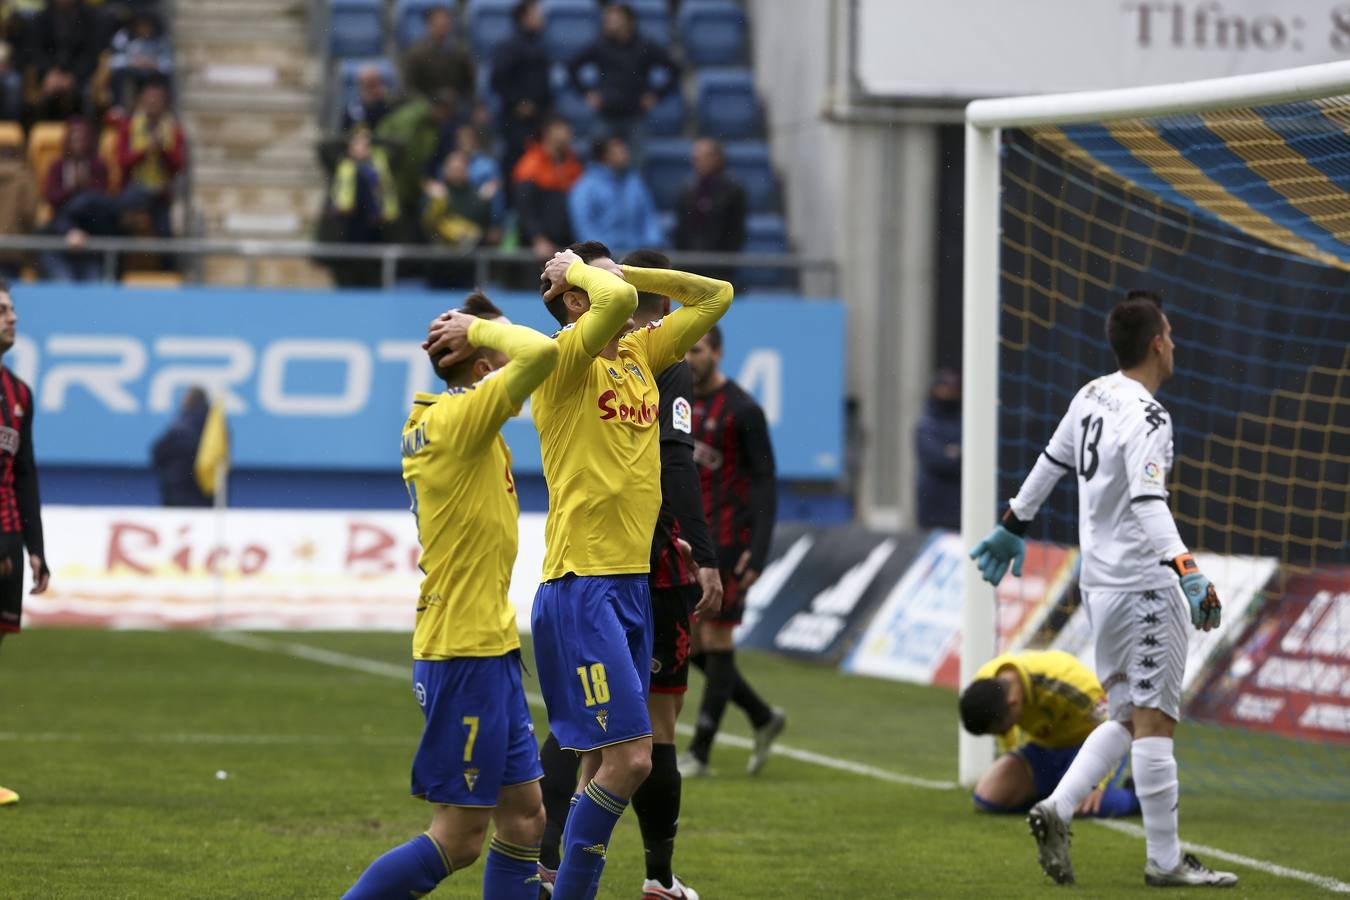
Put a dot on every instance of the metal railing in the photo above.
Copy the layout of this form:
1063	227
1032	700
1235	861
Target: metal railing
523	263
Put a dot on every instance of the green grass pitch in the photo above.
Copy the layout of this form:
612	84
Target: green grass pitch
115	739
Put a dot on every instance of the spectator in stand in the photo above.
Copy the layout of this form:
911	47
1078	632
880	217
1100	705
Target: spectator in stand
455	213
11	85
611	204
543	178
484	174
710	216
151	151
520	80
437	61
76	189
139	50
420	127
623	75
174	454
365	201
371	104
65	41
937	439
18	205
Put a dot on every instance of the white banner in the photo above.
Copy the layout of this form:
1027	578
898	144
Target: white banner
132	567
963	49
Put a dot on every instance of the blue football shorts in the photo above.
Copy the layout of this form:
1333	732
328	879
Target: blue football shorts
478	737
593	648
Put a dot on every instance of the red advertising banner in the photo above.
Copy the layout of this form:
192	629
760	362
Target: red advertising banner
1290	673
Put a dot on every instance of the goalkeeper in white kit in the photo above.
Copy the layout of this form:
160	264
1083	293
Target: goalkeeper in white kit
1139	585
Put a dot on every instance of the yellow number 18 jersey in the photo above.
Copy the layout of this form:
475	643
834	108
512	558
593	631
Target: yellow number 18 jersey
457	469
1061	700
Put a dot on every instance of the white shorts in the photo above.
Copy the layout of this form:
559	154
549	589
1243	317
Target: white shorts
1142	638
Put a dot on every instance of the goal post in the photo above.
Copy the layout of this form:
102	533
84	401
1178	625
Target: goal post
983	308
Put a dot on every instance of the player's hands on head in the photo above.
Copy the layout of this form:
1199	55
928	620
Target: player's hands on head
608	265
1204	601
448	338
994	554
555	272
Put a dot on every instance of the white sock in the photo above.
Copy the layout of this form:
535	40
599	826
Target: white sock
1098	756
1155	781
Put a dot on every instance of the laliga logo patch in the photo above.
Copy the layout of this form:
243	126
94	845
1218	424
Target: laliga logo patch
1152	473
420	693
602	716
471	778
682	415
656	665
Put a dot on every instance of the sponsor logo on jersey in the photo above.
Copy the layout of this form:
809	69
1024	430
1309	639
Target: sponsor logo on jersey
643	415
633	367
420	692
614	373
682	415
9	440
1153	414
597	849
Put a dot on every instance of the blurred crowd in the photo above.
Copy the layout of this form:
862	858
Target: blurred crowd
89	143
438	165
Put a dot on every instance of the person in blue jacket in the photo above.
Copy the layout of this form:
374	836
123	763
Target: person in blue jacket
611	204
937	439
175	453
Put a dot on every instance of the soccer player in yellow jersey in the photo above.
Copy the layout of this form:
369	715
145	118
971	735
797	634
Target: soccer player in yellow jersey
478	759
597	416
1041	706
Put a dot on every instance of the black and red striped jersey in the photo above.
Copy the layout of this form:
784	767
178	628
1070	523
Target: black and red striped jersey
20	509
735	459
681	513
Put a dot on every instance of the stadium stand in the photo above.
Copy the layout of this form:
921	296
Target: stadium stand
726	104
714	32
570	26
355	28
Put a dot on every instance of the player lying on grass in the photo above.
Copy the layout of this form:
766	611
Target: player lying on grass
1142	589
478	759
1040	706
597	416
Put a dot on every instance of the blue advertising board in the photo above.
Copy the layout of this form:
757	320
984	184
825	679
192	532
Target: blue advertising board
324	380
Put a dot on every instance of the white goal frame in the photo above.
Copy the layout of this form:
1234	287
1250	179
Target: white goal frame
980	348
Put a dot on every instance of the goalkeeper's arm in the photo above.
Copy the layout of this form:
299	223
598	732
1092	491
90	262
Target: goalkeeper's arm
1004	545
1159	527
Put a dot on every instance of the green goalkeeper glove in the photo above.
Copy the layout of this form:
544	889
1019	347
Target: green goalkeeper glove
1199	590
1002	546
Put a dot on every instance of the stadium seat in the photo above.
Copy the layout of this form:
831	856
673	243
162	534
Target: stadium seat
574	108
666	169
489	25
765	233
410	19
570	26
748	162
653	20
667	118
726	103
713	32
44	145
355	28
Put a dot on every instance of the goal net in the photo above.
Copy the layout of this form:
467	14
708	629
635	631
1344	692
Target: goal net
1231	200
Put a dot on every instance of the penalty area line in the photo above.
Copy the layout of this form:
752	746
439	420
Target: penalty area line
377	667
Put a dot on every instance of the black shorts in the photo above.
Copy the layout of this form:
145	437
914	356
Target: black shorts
671	609
11	585
733	602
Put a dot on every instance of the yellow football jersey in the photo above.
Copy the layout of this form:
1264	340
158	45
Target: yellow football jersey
457	469
1062	700
597	422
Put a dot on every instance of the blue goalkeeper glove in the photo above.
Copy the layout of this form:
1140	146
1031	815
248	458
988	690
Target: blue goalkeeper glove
993	554
1200	594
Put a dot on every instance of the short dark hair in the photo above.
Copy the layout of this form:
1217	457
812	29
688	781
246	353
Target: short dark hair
984	706
588	251
650	306
476	304
1132	325
627	10
520	9
437	8
4	285
600	146
715	337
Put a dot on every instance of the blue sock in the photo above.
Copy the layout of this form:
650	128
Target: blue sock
585	842
407	871
511	871
989	806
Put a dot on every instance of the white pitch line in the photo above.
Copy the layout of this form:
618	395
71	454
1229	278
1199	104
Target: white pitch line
376	667
57	737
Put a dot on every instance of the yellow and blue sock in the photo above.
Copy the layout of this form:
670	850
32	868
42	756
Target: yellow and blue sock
409	870
586	841
511	871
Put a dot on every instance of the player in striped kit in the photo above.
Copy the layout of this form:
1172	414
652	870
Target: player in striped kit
20	506
1139	584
